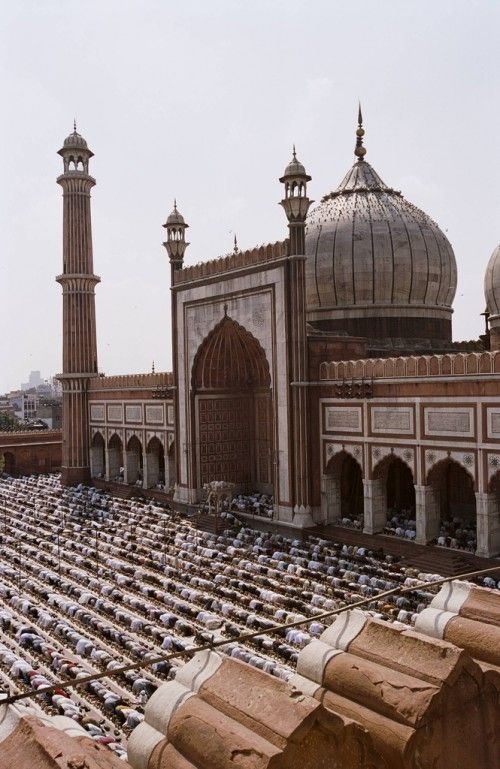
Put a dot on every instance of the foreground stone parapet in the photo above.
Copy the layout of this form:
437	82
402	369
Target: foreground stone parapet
420	698
52	744
222	714
468	616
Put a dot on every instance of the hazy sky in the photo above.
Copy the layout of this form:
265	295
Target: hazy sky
202	100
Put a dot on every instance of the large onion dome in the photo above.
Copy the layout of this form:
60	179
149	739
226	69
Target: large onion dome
492	296
377	266
492	285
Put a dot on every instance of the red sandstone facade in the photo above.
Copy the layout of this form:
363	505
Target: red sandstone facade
132	430
25	453
264	395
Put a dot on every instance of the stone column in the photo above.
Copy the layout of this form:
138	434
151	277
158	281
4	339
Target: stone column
375	506
166	470
145	470
331	507
488	525
428	514
106	463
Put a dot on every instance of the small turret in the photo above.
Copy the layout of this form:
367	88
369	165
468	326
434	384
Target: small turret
75	153
296	203
176	243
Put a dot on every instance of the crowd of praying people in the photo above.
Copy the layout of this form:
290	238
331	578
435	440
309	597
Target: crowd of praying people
90	583
457	533
253	504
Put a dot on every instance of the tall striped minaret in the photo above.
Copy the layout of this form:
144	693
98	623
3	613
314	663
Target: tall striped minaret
79	329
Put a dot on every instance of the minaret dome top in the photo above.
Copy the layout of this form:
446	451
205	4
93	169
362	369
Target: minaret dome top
75	142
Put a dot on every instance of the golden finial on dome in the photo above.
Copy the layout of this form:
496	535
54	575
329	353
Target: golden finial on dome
359	150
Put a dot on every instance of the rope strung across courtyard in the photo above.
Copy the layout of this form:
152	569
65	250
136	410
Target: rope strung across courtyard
245	637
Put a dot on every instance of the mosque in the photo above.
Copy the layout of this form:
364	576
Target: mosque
318	370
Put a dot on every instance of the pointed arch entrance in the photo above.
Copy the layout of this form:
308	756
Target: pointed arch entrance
455	503
9	463
134	461
343	490
115	458
233	415
97	457
155	464
400	488
488	519
391	491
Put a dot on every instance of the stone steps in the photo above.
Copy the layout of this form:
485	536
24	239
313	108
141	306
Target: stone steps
426	558
207	523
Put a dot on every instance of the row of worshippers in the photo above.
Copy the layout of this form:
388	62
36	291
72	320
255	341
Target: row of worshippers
212	586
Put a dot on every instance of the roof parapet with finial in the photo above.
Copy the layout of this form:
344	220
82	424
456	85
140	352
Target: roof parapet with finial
359	150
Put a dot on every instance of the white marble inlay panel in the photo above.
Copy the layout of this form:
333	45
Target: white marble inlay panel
395	419
154	414
133	413
493	465
97	412
493	423
115	413
341	419
449	421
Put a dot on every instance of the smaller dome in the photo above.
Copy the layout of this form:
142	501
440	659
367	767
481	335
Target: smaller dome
75	140
294	168
492	284
175	217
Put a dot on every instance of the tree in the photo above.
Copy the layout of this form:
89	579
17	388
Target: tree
8	423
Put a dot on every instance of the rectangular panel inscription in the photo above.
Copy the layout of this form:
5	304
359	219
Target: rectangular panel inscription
170	415
339	419
495	422
96	412
154	415
392	420
450	421
133	413
115	413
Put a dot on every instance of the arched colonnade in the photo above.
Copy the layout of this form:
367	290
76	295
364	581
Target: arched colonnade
8	464
132	463
447	509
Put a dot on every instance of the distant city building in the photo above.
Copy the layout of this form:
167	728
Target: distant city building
50	412
24	403
34	380
50	387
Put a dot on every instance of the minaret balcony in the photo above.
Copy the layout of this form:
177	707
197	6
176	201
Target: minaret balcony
78	281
